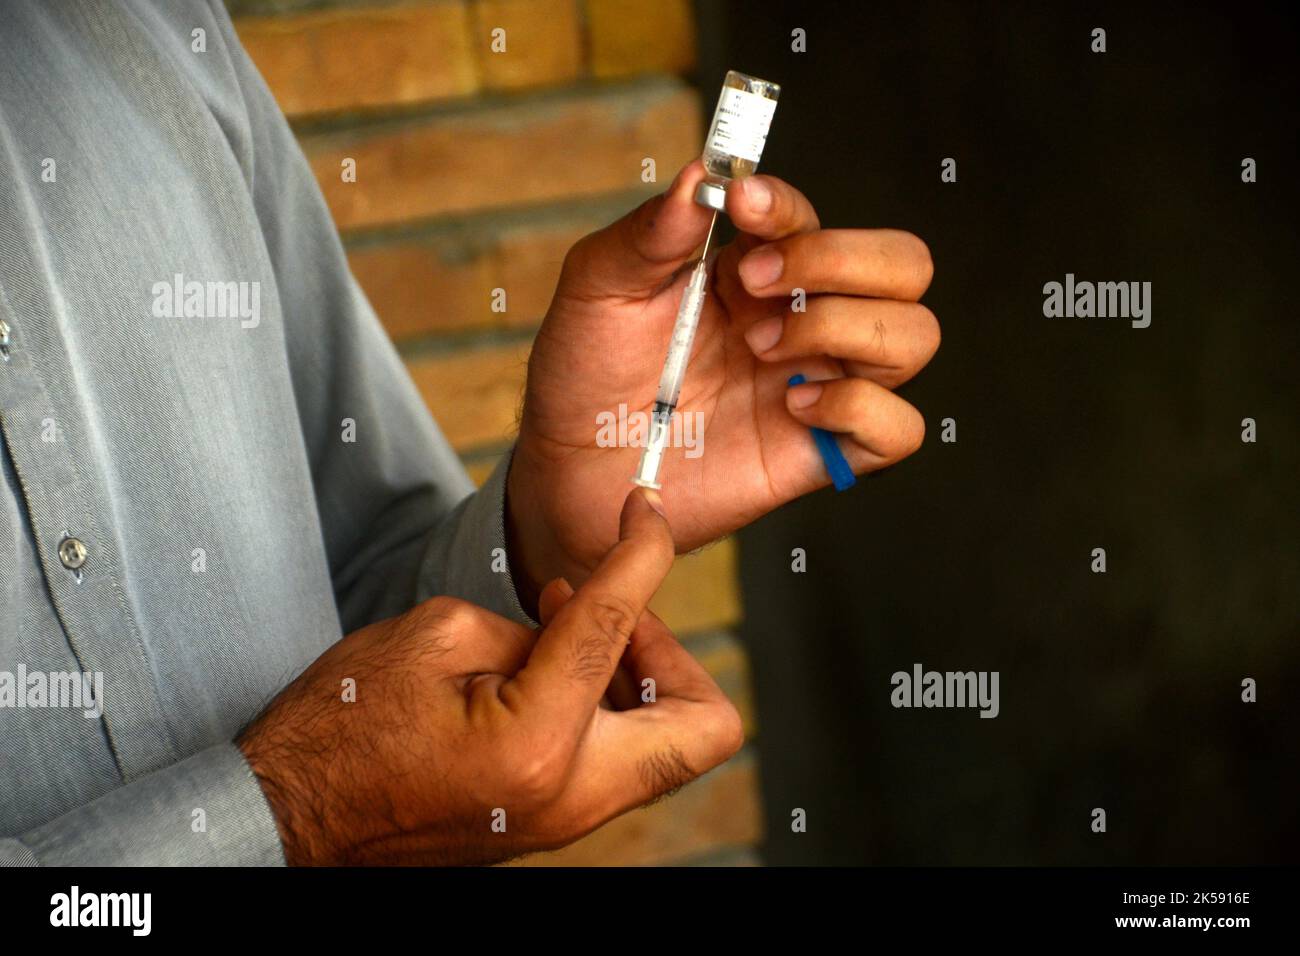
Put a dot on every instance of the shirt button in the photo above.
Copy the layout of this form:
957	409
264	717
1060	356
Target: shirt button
4	332
72	553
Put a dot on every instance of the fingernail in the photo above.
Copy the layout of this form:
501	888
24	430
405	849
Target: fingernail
654	501
761	267
764	334
801	396
565	586
757	194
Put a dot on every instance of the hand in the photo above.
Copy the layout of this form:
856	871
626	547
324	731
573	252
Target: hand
460	713
604	339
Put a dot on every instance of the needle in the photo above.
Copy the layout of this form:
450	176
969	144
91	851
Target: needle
709	238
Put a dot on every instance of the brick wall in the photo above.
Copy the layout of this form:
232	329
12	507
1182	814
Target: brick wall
475	170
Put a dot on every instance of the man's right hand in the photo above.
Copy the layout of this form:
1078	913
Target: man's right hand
462	719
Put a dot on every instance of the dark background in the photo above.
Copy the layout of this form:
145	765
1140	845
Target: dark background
1118	690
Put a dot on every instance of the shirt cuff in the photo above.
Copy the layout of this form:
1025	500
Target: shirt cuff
468	558
156	820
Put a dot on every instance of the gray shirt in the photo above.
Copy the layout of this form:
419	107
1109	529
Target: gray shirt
213	462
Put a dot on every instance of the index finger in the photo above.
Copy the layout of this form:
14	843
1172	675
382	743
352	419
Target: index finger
769	208
577	653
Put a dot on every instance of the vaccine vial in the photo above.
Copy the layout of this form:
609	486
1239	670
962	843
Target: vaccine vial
737	135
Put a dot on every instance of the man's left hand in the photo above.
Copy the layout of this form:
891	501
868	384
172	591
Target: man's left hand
603	343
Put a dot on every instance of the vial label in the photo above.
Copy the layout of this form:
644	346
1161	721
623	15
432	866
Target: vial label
740	123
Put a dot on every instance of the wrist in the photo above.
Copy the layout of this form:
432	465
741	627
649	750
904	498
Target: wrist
297	810
525	532
535	556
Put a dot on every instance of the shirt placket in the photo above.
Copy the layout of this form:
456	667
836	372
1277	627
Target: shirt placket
67	506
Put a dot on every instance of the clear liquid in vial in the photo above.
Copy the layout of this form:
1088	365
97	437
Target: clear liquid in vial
739	128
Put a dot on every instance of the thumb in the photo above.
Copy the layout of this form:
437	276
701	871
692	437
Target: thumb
635	255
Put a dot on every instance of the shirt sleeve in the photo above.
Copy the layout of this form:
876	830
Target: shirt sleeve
207	810
401	519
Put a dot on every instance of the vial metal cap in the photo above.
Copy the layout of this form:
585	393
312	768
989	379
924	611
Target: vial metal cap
711	195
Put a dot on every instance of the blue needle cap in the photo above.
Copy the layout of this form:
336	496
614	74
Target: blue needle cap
837	466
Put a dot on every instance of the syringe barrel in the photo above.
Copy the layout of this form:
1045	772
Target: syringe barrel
679	347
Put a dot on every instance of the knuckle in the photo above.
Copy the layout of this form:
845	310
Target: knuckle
665	552
571	265
590	660
726	731
786	208
910	259
535	774
913	432
613	617
860	398
832	261
924	261
437	626
609	622
931	332
812	329
447	614
576	268
577	254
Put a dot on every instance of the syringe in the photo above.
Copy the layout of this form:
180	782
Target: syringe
670	382
731	151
